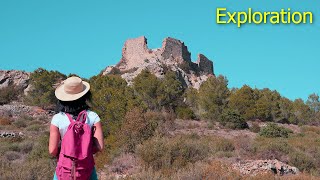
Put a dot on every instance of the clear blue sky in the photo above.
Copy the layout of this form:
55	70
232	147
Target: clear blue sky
83	37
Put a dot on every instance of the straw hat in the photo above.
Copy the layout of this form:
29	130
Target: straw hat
72	89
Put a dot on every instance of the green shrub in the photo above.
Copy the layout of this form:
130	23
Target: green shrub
185	113
4	147
146	86
272	130
111	99
170	90
40	148
9	93
271	148
233	120
223	145
167	153
26	146
311	129
212	97
26	117
36	169
14	147
138	126
243	100
302	161
42	92
184	151
34	127
30	123
154	153
255	127
20	123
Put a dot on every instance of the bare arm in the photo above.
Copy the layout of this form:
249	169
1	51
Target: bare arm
98	137
54	140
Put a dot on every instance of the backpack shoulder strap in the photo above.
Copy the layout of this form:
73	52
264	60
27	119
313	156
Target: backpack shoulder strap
69	117
82	116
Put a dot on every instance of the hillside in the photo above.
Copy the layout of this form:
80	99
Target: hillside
165	117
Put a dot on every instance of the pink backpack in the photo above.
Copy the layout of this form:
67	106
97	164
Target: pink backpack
76	156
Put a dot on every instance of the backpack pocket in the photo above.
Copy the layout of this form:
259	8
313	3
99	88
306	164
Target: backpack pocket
64	173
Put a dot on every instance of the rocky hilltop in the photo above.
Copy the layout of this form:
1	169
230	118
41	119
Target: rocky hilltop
173	55
16	78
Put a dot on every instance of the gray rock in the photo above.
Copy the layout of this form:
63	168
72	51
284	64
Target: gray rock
14	77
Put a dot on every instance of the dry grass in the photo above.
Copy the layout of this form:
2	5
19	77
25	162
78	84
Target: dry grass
171	154
41	169
314	129
213	170
4	121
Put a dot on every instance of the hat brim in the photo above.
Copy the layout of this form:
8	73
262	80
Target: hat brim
63	96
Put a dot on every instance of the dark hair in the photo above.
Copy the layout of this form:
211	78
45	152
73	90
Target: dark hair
76	106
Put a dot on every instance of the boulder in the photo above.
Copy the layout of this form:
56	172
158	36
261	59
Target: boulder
14	77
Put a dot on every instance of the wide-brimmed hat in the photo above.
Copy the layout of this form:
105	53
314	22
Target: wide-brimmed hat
72	89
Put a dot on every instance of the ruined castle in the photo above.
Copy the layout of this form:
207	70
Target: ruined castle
173	54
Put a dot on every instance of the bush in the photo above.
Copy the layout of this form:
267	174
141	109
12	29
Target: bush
200	170
146	86
19	123
185	113
165	154
26	146
272	148
42	92
272	130
26	117
40	148
9	93
243	144
111	99
14	147
34	127
223	145
233	120
255	127
186	151
4	121
302	161
311	129
37	169
212	97
12	155
154	153
243	100
170	90
138	126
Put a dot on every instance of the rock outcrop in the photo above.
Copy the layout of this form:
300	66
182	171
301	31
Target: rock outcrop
173	55
253	167
16	109
14	77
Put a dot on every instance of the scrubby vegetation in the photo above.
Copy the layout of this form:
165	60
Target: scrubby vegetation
272	130
42	92
139	119
170	154
233	120
23	158
9	94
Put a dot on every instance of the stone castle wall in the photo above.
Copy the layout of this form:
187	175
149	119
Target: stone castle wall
135	53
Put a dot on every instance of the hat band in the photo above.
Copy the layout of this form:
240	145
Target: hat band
74	89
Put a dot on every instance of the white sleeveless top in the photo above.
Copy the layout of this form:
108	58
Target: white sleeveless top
61	121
